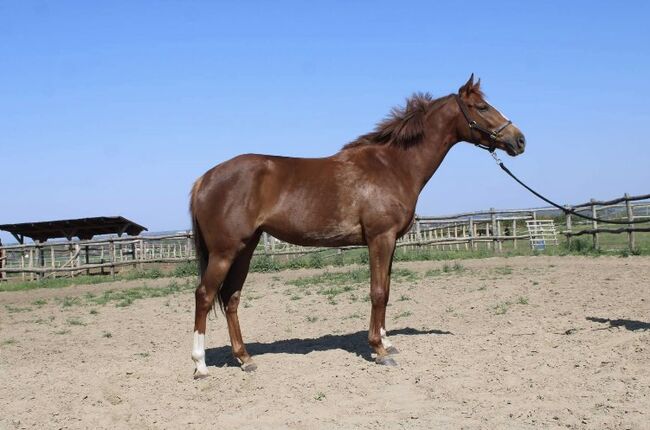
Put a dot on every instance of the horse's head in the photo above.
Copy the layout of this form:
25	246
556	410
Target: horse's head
483	125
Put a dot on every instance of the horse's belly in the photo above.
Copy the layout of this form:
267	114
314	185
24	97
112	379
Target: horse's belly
301	233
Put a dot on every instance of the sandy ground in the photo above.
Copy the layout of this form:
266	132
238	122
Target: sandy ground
525	342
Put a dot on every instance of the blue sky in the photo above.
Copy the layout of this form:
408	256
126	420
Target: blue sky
115	108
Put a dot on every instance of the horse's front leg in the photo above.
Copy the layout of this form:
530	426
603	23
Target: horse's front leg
381	249
388	345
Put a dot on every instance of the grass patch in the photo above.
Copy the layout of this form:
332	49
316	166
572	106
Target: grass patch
142	274
186	269
501	308
61	332
7	342
355	276
403	314
15	309
522	300
126	297
75	321
123	298
39	302
70	301
505	270
446	269
84	280
335	291
107	334
354	316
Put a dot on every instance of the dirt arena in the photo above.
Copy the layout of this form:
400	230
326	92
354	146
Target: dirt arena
509	343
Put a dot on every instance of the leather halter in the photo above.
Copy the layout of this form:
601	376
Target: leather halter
493	135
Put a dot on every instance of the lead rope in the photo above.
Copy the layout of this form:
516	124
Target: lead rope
552	203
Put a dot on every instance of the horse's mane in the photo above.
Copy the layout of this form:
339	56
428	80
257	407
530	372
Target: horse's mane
403	127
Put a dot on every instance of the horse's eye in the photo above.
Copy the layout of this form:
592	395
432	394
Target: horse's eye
482	108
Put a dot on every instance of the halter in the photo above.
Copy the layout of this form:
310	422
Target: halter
493	135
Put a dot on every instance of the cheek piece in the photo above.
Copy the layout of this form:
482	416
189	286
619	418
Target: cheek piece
493	135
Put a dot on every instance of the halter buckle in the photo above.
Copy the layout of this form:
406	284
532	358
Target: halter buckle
496	157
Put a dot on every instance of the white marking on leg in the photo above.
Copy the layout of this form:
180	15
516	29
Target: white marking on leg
384	338
198	354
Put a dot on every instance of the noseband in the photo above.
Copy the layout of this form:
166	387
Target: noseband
493	135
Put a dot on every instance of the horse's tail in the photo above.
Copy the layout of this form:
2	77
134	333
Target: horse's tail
201	249
199	244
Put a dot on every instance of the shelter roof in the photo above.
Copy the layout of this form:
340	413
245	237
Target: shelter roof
83	228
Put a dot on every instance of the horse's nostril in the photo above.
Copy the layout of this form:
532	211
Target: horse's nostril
521	140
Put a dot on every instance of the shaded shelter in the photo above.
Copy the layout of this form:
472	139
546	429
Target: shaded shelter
83	228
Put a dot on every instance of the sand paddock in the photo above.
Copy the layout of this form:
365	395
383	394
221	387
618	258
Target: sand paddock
523	342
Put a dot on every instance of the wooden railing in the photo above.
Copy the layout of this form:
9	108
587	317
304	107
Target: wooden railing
489	229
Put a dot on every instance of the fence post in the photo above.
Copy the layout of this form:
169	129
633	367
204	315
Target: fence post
31	264
38	258
53	260
71	249
3	255
77	251
630	217
568	227
133	256
142	254
87	257
22	264
111	253
514	233
594	223
465	237
265	237
418	230
471	233
500	241
495	241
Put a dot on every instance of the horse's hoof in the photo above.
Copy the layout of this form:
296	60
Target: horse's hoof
200	375
249	367
392	350
385	360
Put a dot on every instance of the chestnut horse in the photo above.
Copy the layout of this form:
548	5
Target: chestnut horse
363	195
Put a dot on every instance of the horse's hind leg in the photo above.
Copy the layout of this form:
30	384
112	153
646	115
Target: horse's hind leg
230	294
213	277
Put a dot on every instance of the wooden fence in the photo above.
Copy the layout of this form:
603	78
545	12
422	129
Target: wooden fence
489	229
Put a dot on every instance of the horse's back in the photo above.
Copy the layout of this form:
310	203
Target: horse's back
300	200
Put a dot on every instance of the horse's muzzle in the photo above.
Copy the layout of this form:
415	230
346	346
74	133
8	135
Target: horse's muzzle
516	145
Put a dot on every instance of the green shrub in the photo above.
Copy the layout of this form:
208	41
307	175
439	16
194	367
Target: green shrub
188	268
316	260
264	264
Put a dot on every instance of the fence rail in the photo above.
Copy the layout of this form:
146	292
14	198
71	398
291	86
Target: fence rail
487	229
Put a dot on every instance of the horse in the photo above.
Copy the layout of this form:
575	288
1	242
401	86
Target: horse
363	195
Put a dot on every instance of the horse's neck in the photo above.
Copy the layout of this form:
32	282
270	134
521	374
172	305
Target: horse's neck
421	161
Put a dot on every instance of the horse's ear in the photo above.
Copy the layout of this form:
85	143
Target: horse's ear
467	88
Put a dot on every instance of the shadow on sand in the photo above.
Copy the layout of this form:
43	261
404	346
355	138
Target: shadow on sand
356	343
631	325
